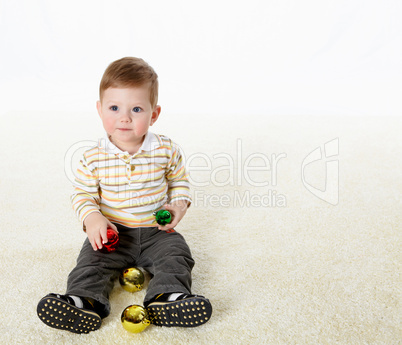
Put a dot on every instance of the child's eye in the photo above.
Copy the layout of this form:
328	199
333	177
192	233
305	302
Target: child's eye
136	109
114	108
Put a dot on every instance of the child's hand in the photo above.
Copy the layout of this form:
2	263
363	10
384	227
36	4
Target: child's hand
178	209
96	227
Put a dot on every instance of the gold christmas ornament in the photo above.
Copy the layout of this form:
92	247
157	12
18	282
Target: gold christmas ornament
135	318
132	279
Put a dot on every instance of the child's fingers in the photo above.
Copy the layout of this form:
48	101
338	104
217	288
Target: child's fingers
103	236
98	242
112	226
93	244
169	208
167	227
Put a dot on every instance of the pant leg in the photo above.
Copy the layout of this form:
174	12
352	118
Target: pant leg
95	272
168	258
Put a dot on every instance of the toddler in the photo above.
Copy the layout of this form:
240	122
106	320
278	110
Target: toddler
120	183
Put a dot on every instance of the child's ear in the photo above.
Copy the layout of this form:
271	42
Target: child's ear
99	108
155	114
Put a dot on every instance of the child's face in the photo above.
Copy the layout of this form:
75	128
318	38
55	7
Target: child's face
126	114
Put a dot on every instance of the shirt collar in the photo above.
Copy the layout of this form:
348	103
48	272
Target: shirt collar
151	142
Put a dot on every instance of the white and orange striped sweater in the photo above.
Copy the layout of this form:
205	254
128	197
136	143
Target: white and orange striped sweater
128	188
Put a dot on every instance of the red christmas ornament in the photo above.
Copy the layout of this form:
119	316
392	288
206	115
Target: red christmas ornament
112	242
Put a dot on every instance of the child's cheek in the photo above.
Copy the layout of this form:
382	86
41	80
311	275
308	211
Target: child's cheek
140	127
109	125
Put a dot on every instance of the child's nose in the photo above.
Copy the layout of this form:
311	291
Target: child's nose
125	116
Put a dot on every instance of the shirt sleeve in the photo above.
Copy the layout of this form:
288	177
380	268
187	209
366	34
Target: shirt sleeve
177	177
85	198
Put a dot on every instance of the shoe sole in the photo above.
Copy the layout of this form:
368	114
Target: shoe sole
57	313
189	312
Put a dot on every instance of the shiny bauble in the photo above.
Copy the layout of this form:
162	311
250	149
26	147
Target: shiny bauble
135	318
132	279
112	242
163	217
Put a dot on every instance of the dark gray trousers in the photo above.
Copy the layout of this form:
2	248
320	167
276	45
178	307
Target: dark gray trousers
165	255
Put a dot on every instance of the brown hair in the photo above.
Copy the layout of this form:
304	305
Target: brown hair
130	72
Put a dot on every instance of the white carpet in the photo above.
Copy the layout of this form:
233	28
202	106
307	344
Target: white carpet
305	273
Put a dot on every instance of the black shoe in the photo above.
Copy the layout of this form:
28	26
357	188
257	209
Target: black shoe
186	311
59	311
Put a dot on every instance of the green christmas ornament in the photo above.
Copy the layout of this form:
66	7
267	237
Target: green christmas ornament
162	217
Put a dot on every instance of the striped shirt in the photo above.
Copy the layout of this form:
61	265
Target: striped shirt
126	188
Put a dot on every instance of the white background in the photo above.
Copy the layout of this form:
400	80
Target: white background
274	57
